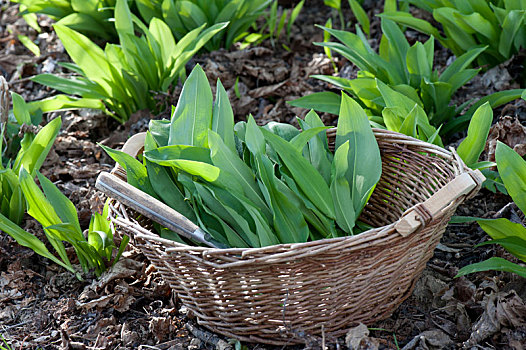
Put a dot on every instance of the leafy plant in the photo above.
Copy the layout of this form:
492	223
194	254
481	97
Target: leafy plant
251	186
31	155
356	9
273	27
407	70
511	236
94	17
88	16
58	217
123	78
183	16
497	24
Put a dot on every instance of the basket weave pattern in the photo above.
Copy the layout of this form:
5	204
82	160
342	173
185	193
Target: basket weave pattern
277	294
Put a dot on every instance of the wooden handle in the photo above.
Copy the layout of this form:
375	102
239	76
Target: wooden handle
459	186
152	208
133	146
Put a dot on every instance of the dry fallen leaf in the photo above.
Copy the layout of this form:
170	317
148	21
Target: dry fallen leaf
358	338
502	309
510	131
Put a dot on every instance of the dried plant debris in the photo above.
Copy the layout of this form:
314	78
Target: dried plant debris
501	310
509	130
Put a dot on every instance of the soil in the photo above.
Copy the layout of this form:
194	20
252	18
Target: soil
131	307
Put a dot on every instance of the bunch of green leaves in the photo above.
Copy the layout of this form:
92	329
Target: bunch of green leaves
183	16
273	27
356	9
31	151
498	24
58	217
251	186
510	235
407	70
91	17
94	17
122	79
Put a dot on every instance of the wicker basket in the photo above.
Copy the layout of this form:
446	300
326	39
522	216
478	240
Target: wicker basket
282	294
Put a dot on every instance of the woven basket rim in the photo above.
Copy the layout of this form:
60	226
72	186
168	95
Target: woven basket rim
373	234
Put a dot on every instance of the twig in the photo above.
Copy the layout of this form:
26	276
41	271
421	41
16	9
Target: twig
206	337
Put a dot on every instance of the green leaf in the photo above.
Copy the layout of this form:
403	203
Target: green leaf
284	130
512	170
362	176
320	157
300	141
20	109
293	15
502	228
327	102
26	239
42	210
163	155
306	176
87	55
62	205
417	62
224	158
31	46
33	157
473	145
136	172
460	64
341	190
360	15
512	25
63	103
82	22
254	138
495	100
192	118
223	117
72	86
493	264
123	19
407	19
514	245
289	223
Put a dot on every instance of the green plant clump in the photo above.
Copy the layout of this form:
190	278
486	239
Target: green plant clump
498	24
59	219
251	186
122	79
183	16
402	72
93	17
31	151
511	236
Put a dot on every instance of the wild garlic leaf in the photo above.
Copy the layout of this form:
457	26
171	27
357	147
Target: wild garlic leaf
473	145
289	224
341	190
223	117
512	170
365	164
192	117
306	176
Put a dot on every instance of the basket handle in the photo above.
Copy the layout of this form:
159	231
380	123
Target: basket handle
133	147
419	214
